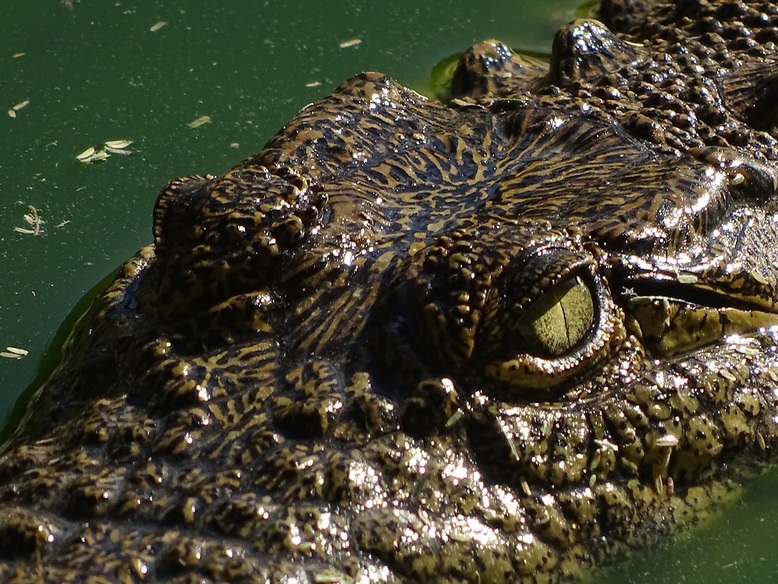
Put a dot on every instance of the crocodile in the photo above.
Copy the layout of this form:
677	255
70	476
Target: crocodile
508	336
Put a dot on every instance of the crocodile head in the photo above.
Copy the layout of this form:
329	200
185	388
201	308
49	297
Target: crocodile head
502	338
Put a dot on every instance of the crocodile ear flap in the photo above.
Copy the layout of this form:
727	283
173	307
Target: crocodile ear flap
751	93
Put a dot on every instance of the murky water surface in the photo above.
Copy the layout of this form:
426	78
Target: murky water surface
97	71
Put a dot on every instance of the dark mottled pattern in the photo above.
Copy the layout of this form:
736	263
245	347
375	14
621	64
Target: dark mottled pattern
340	361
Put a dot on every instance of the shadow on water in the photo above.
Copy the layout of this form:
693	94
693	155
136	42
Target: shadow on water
735	547
52	357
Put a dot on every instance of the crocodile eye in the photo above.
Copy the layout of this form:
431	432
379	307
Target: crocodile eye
559	320
565	331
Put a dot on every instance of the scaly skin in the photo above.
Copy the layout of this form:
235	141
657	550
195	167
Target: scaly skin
501	339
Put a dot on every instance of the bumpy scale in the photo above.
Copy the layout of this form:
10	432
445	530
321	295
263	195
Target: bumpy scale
499	339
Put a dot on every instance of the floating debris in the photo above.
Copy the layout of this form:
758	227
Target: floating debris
91	155
104	150
17	351
14	353
351	43
17	107
200	121
34	222
98	156
158	25
88	153
118	147
118	144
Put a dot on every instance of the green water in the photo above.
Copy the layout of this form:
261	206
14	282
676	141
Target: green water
100	73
